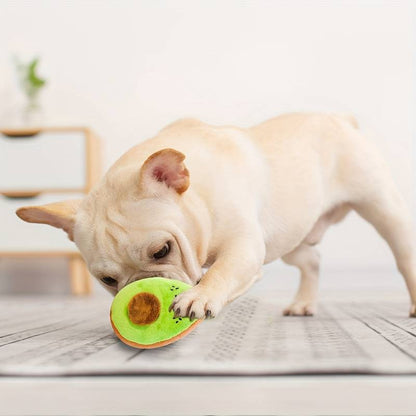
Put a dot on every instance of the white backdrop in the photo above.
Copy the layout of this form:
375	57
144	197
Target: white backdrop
128	68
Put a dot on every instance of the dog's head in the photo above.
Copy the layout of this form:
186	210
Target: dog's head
137	223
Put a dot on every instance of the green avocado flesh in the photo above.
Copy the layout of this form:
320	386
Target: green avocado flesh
164	325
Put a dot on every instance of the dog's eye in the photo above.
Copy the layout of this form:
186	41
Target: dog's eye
162	253
109	281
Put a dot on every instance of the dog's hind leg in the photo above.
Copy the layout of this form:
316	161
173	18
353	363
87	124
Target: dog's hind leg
306	258
386	210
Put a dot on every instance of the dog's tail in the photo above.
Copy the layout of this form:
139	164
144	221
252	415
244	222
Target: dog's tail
349	118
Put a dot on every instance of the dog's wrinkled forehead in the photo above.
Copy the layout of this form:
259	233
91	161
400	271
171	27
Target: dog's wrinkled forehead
117	228
126	213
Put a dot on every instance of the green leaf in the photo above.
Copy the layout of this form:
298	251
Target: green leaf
32	77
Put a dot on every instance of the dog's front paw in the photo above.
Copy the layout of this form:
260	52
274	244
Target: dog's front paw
412	312
196	303
300	308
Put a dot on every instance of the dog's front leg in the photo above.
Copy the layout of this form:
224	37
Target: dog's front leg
234	271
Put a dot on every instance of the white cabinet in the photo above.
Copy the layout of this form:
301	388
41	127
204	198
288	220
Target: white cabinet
48	160
39	167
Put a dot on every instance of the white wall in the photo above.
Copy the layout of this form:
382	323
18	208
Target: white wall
127	68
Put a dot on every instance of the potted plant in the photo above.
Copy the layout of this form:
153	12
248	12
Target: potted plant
31	85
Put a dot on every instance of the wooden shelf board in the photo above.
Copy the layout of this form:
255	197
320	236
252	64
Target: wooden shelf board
61	253
28	130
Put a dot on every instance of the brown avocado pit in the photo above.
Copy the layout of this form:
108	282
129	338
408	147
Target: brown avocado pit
143	308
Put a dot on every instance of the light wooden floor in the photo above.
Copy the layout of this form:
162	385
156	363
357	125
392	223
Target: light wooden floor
22	332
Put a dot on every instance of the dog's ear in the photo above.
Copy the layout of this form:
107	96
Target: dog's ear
165	167
58	214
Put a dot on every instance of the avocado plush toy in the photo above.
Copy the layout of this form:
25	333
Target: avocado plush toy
140	313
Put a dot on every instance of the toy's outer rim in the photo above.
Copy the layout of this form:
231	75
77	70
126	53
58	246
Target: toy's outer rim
156	344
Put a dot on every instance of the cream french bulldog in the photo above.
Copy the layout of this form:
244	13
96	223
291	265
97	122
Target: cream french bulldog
231	199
